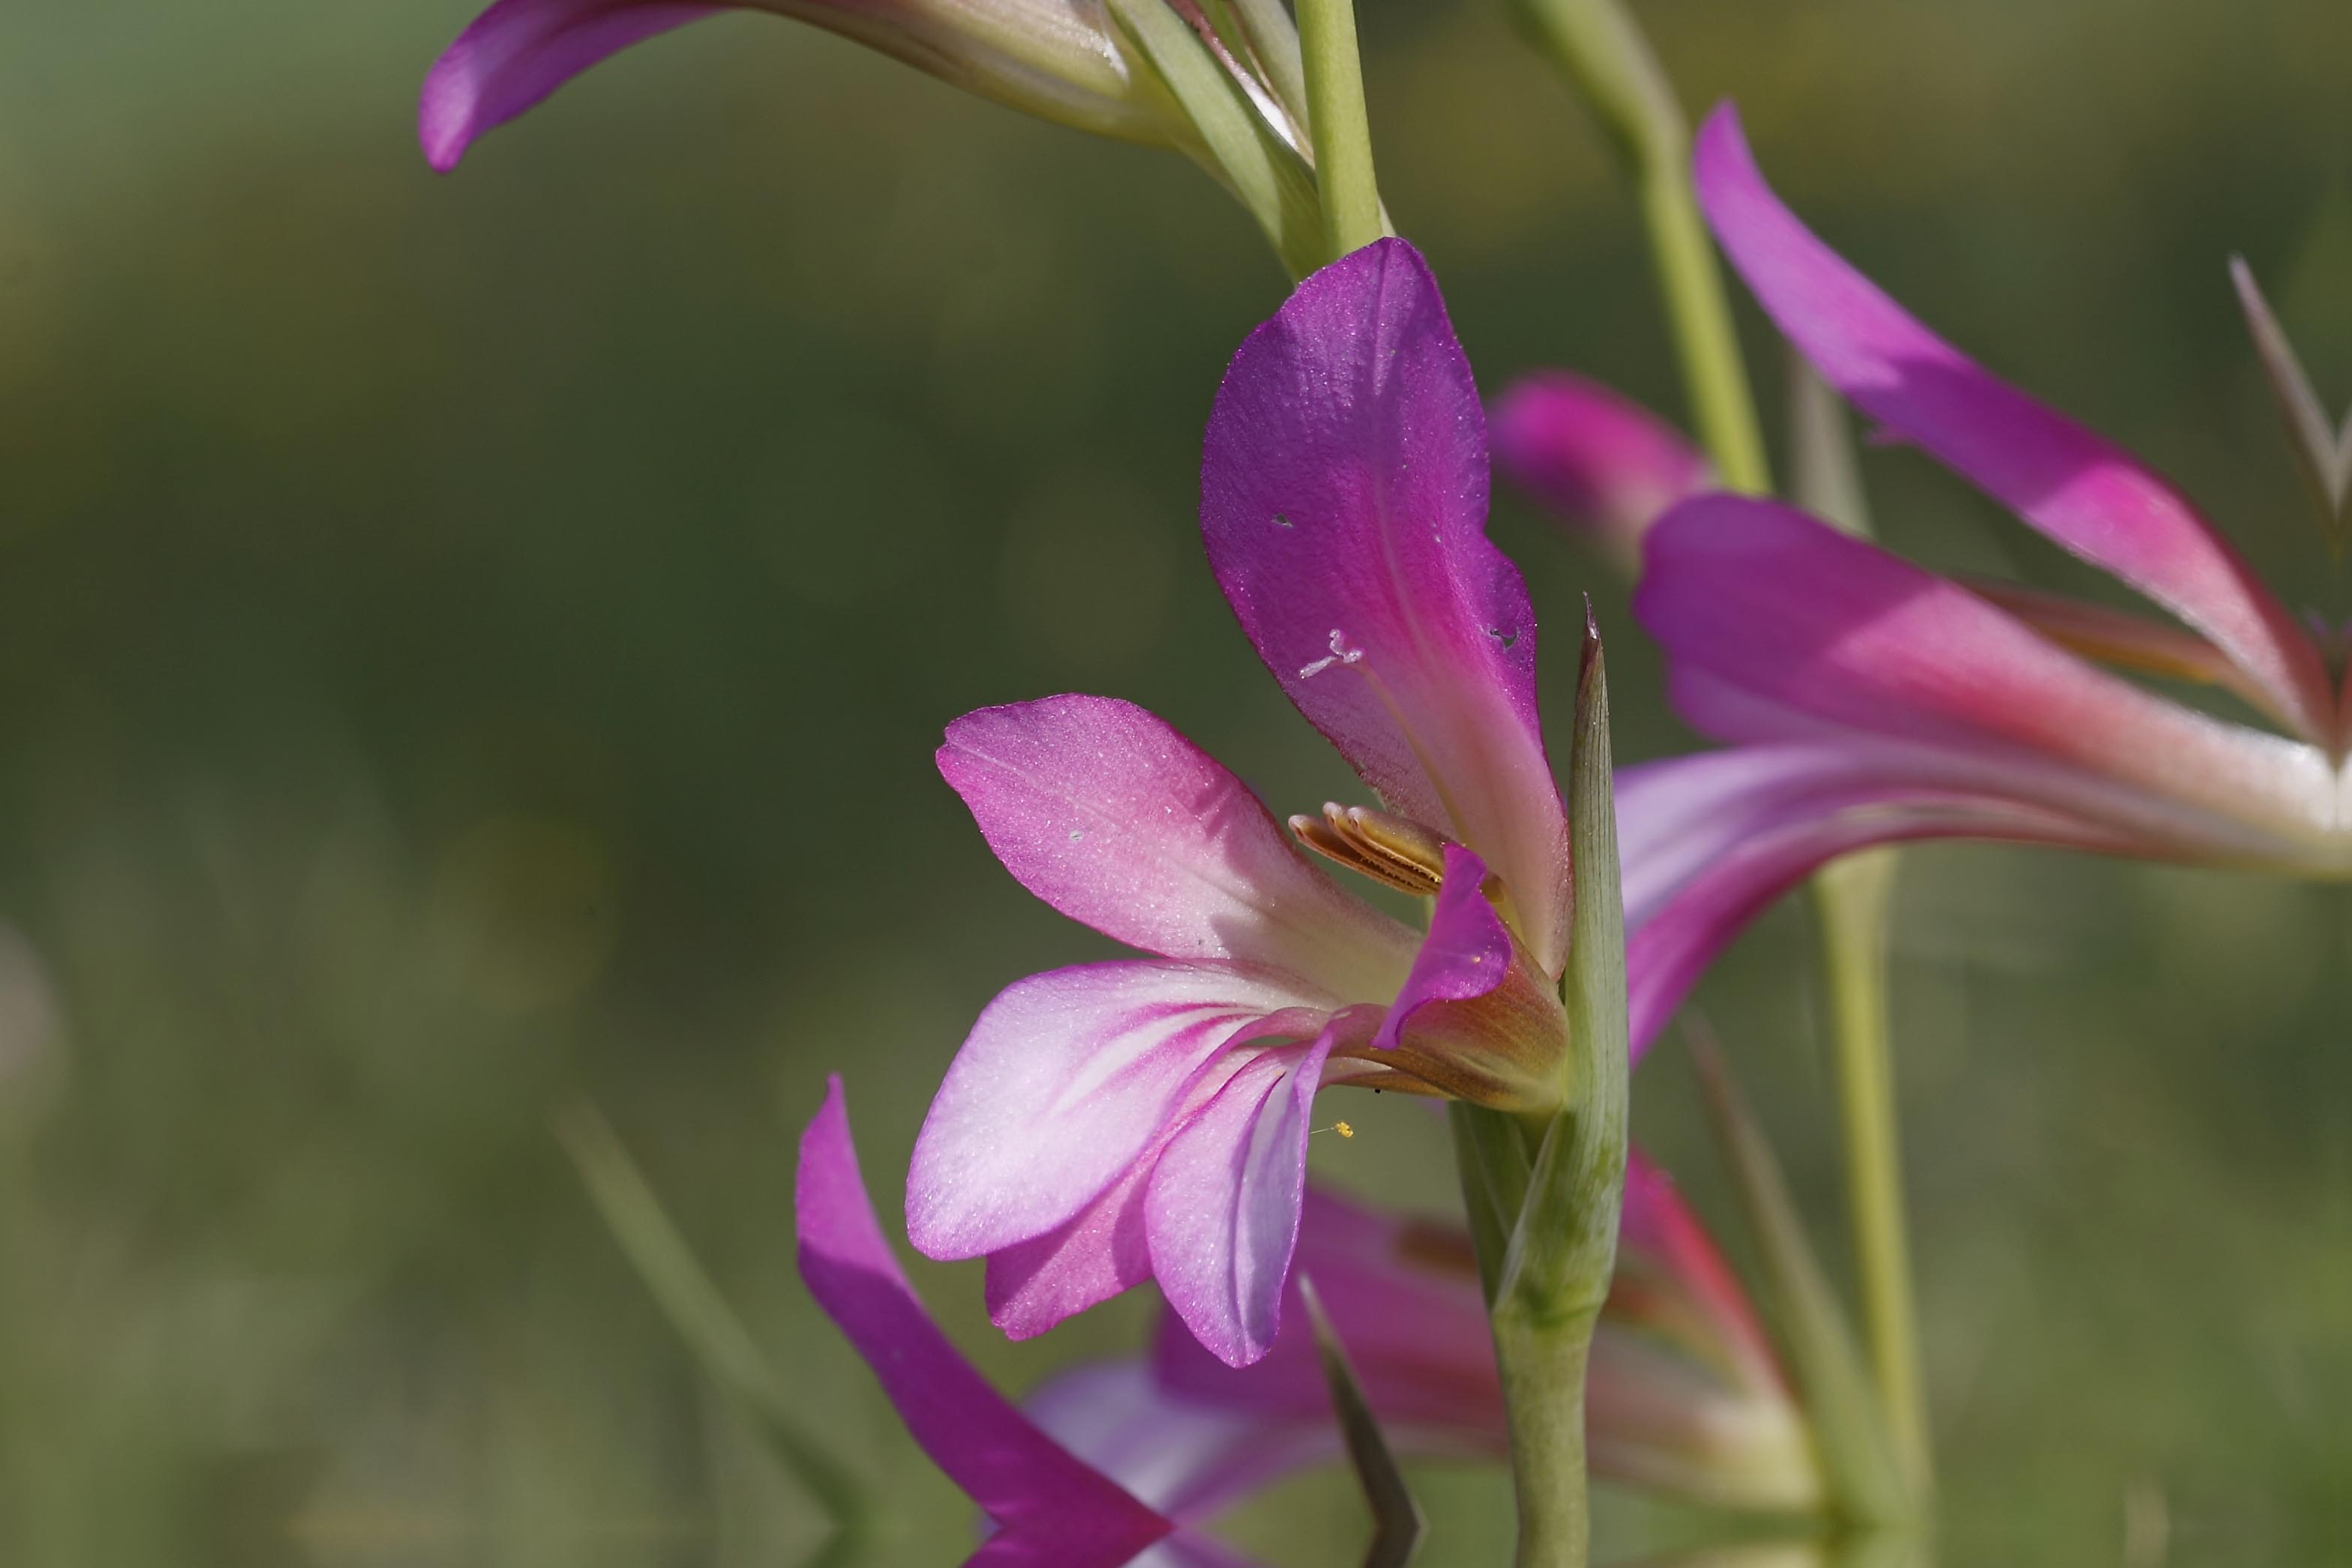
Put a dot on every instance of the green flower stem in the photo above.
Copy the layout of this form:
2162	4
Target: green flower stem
1341	130
1553	1220
1852	899
1601	50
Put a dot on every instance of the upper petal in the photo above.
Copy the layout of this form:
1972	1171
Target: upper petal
1052	1508
1822	631
1064	1079
1343	501
1110	815
1604	466
517	52
2083	492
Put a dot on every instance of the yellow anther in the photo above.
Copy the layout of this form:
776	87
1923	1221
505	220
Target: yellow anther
1341	1128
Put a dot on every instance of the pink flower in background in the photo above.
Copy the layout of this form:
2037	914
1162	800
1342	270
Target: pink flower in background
1060	60
1872	701
1124	1460
1605	466
1149	1118
1686	1397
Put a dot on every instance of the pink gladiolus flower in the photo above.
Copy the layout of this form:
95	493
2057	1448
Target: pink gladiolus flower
1126	1459
1601	463
1872	701
1060	60
1149	1118
1685	1394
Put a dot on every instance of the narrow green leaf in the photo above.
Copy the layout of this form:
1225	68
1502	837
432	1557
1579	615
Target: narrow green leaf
2323	453
1397	1522
687	1297
1856	1452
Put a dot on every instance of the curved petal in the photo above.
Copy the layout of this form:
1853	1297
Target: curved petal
1052	1508
1065	1081
1466	953
1343	501
1603	465
517	52
1828	630
2081	490
1221	1210
1476	1019
1106	813
1766	842
1060	61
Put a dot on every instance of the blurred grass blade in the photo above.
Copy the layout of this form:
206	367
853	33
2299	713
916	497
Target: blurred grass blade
1397	1523
701	1316
1856	1452
2323	453
1825	476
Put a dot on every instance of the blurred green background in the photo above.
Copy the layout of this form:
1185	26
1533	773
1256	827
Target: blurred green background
466	641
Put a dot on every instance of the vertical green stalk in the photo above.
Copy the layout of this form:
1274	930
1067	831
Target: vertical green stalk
1338	122
1852	899
1560	1214
1596	43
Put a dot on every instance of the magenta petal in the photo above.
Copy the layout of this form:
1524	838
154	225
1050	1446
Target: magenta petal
1222	1211
1771	844
1110	815
1053	1508
1343	501
1776	626
1603	465
1466	953
1190	1458
517	52
2084	493
1065	1081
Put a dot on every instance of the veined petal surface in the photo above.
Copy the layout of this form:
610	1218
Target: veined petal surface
1222	1208
1106	812
1343	502
1064	1079
2081	491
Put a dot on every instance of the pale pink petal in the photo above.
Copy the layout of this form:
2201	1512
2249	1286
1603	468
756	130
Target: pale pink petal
1605	466
2086	494
517	52
1343	501
1110	815
1066	1079
1053	1508
1221	1210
